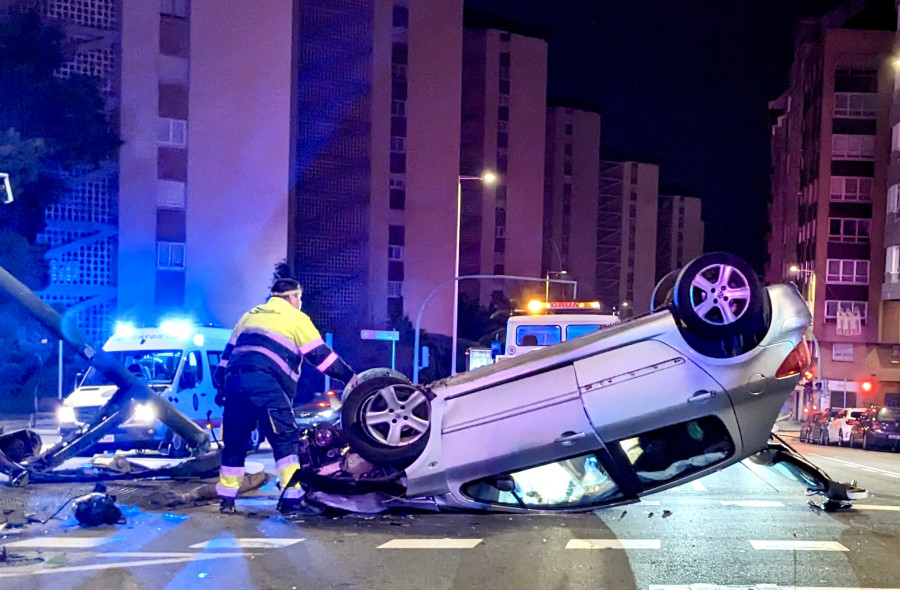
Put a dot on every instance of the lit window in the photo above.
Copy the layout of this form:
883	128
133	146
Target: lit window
171	132
847	271
832	307
170	255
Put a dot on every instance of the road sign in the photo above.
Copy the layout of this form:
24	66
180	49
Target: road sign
379	335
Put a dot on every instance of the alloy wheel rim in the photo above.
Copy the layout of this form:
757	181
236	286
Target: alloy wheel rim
396	415
720	294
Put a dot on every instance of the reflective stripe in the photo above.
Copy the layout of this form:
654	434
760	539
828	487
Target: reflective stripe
285	461
279	338
233	340
223	363
293	493
311	345
232	471
280	362
329	360
225	492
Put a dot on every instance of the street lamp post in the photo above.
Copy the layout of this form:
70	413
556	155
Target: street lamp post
487	178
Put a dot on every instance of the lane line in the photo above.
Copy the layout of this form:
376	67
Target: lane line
613	544
754	587
798	546
876	507
245	543
698	486
858	465
126	564
430	544
753	503
62	542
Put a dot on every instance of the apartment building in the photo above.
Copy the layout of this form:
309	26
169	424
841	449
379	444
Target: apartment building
504	101
626	235
831	139
679	232
571	200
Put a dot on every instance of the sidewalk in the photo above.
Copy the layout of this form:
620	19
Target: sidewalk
41	421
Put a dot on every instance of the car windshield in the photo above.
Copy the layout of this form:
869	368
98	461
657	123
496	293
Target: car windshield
886	414
545	335
576	330
856	414
156	367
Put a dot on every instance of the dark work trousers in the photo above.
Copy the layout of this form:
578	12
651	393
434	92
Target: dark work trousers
252	398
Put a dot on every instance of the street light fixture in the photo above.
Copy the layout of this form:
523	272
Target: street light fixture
800	271
487	177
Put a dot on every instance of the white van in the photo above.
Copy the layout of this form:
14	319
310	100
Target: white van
177	361
549	323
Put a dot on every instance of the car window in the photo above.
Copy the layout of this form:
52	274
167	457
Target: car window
889	414
575	482
574	331
541	335
213	357
669	453
856	414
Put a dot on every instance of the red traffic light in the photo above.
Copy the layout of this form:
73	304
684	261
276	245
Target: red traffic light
867	385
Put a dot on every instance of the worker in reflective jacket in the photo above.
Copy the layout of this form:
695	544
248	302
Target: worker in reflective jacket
259	370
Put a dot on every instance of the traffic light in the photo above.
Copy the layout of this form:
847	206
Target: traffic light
867	385
810	373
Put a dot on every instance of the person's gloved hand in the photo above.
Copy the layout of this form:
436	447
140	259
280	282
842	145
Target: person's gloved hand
220	398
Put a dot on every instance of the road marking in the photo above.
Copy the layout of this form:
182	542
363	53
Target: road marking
754	587
876	507
120	554
798	546
125	564
430	544
245	543
613	544
752	503
63	542
698	486
852	464
648	503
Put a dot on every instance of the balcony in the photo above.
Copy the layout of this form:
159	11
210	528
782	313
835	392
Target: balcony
890	289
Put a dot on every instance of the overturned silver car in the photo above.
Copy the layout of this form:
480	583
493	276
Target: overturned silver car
638	407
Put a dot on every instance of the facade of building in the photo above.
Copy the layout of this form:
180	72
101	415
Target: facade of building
679	232
626	235
504	101
571	190
831	140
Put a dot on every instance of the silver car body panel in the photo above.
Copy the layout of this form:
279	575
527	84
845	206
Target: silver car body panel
580	395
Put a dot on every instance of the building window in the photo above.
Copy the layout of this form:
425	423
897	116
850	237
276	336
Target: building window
895	138
395	288
503	113
398	72
892	265
851	188
401	18
634	174
395	252
174	8
172	132
848	230
395	270
832	307
853	105
398	199
499	270
893	202
568	129
567	149
396	235
847	271
398	162
400	53
853	147
499	231
398	144
504	36
170	256
504	87
398	108
499	245
502	140
567	167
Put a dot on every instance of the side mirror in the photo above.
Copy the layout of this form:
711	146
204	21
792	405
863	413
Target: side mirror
188	380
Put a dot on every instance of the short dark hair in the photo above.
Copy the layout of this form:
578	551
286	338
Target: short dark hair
284	287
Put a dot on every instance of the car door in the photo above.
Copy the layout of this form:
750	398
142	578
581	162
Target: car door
647	385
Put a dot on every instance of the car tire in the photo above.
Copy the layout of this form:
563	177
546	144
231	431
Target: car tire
664	292
178	447
736	308
866	444
387	420
841	442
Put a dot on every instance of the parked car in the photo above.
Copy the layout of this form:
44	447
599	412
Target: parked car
807	425
819	430
839	428
628	410
877	428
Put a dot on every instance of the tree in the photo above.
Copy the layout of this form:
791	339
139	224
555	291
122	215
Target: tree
52	129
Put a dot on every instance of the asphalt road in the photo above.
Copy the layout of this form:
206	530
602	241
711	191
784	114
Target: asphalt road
743	528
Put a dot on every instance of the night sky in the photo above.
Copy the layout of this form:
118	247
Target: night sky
681	83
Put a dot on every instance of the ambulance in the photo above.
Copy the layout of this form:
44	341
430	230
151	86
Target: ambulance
547	323
176	360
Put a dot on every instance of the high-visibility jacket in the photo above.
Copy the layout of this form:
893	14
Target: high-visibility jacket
275	338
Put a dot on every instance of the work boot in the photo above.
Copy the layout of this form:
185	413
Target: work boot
227	506
291	508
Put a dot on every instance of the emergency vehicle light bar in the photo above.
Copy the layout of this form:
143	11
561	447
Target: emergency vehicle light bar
537	306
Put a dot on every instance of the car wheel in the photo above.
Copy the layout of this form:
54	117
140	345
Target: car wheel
718	296
664	293
387	420
841	441
867	444
178	447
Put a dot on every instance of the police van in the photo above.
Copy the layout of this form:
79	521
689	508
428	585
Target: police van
176	360
548	323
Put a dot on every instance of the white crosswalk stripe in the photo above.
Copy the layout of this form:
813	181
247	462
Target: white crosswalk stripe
753	503
613	544
245	543
61	542
430	544
797	546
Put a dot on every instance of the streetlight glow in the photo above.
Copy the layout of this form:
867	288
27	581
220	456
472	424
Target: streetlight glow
488	177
